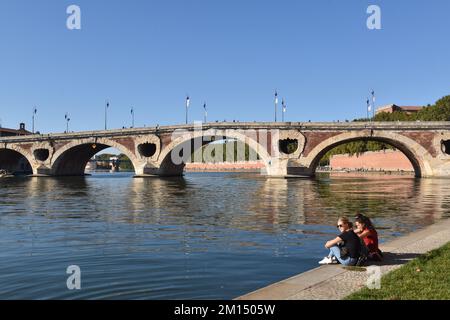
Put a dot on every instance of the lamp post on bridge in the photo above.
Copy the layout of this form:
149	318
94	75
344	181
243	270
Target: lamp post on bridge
132	117
205	112
187	106
276	104
373	103
67	122
34	113
106	114
283	109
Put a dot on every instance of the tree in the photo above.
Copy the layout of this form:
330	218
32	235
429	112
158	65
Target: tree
125	163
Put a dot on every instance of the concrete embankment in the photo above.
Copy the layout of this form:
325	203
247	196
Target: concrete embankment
332	282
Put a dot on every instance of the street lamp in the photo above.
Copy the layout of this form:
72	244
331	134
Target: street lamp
132	117
284	109
106	114
368	109
373	103
276	104
34	113
67	122
187	106
205	112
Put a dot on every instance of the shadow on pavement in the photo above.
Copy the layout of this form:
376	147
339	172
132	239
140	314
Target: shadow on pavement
390	258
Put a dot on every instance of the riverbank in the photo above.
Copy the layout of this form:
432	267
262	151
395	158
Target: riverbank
257	166
357	173
333	282
426	277
239	166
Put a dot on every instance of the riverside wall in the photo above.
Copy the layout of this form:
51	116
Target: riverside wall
387	160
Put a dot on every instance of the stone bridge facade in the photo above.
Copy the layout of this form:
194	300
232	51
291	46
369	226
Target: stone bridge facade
163	151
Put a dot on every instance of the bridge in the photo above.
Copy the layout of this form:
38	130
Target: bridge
287	148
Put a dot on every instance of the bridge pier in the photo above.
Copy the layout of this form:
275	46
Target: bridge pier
276	167
42	171
146	172
286	167
300	171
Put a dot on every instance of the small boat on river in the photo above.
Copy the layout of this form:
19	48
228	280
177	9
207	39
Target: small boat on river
5	174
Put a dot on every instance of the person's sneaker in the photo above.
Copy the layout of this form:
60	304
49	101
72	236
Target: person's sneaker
326	260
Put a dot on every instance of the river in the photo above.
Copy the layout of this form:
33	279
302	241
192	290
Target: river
201	236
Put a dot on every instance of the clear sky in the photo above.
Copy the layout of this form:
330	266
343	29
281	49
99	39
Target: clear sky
232	54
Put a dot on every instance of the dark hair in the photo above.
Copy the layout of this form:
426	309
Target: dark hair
360	218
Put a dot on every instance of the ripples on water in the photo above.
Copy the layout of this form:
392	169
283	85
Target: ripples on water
203	236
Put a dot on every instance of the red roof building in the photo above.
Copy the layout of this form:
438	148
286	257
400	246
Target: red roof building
392	107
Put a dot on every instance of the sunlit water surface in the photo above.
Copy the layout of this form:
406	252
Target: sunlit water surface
203	236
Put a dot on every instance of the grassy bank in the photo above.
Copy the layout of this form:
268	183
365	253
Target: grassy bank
426	277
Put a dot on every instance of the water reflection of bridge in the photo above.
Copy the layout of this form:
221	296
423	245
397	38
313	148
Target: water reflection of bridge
286	202
267	205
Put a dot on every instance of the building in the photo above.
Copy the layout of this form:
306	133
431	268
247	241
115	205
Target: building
393	107
5	132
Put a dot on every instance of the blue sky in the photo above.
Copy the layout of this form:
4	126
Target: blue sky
232	54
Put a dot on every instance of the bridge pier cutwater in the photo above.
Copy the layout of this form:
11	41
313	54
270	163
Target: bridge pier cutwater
293	148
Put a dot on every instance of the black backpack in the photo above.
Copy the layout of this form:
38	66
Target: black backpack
363	253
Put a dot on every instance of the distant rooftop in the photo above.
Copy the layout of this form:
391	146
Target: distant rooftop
393	107
5	132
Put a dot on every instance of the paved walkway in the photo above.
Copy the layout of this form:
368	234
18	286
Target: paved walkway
332	282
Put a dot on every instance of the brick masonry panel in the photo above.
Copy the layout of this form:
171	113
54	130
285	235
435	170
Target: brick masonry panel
425	139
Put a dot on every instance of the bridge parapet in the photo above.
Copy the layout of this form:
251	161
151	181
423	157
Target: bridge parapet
303	126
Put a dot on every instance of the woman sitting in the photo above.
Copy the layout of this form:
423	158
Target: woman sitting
366	231
345	248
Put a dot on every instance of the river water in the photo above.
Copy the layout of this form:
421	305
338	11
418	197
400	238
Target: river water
201	236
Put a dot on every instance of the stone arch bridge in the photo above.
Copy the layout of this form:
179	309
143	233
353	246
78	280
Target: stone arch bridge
163	151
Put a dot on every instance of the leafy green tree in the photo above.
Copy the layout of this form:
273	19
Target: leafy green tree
229	152
125	163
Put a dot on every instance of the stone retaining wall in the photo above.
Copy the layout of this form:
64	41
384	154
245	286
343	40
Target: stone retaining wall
387	160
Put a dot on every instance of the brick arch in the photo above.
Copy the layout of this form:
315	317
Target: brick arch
164	159
20	153
415	152
72	158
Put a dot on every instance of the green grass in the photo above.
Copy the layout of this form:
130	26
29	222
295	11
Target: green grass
424	278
